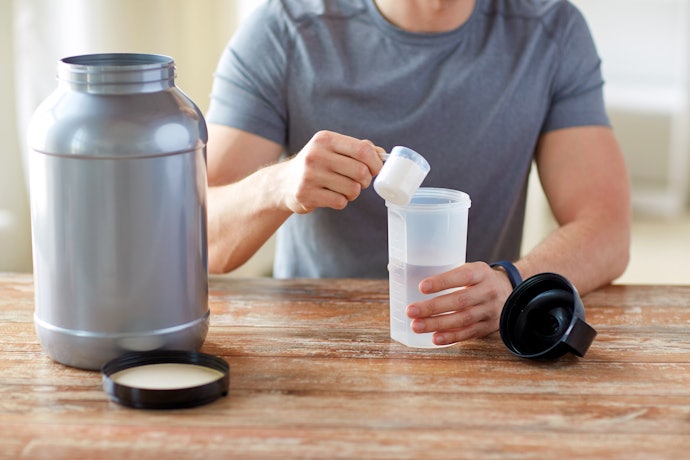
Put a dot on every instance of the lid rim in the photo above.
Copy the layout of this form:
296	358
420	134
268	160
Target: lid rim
457	199
167	398
117	61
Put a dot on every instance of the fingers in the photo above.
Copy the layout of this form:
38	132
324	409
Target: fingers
364	153
465	275
461	313
475	322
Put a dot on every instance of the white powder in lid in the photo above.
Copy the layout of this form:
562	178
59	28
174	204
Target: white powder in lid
398	180
166	376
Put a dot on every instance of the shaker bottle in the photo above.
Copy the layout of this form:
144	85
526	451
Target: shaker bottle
118	209
426	237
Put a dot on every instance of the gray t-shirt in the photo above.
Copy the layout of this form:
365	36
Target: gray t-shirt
472	101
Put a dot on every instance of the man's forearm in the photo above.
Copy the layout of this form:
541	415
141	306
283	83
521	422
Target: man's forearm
589	252
242	217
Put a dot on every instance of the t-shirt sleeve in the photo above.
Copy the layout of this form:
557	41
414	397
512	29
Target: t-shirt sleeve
577	94
248	84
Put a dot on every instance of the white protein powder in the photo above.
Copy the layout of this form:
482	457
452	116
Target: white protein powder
398	180
166	376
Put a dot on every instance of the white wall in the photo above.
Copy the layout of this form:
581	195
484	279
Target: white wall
645	48
15	239
34	34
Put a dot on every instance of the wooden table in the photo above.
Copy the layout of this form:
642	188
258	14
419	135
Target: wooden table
315	375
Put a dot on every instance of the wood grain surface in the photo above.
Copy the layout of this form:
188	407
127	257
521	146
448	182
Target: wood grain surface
314	374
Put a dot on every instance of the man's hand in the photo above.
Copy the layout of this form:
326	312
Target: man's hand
472	310
330	171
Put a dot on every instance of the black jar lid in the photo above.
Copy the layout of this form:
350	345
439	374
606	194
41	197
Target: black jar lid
165	379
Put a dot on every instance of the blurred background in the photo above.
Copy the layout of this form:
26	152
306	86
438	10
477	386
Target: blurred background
644	44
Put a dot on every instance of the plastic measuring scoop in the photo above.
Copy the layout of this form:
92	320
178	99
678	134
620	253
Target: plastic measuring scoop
403	172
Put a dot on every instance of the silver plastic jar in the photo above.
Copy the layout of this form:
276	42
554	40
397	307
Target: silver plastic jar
118	209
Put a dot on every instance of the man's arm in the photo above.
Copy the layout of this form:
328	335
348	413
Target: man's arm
251	193
240	220
585	180
584	177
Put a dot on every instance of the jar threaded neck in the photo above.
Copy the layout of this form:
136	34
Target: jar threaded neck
117	73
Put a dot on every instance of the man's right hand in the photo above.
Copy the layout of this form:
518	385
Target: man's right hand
330	171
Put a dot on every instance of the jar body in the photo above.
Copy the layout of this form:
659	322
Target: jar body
118	208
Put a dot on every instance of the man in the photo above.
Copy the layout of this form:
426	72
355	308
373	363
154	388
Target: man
481	88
